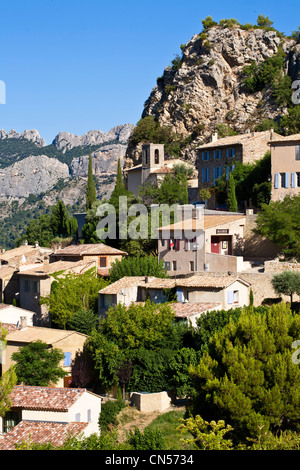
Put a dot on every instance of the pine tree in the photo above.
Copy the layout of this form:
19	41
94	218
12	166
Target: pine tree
232	202
90	187
119	189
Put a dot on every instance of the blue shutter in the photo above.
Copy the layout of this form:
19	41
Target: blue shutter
67	359
230	297
293	180
202	175
287	182
276	180
180	297
207	174
220	172
214	174
232	152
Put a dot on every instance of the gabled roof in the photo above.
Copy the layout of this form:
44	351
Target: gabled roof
37	432
188	309
205	222
238	139
43	270
88	249
44	398
126	281
46	335
288	138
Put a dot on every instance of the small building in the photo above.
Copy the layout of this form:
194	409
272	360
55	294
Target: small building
198	293
69	342
11	261
285	167
35	282
220	156
103	255
216	247
14	315
153	169
41	415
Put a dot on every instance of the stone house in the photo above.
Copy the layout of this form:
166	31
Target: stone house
195	294
11	261
35	282
216	246
103	255
153	169
285	167
220	156
70	342
46	414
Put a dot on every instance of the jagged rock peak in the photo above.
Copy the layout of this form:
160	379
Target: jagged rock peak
66	140
207	89
31	135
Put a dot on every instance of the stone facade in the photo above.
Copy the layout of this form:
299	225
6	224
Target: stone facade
285	167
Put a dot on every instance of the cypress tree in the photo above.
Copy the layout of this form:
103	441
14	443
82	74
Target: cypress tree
90	187
232	202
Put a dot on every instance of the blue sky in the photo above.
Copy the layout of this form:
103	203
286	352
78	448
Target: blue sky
76	66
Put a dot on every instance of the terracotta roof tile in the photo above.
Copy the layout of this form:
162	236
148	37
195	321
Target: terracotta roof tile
127	281
44	398
185	310
43	270
41	433
238	139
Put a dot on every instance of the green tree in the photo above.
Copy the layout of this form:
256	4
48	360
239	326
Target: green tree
247	377
232	202
71	293
287	283
145	335
264	21
8	379
59	217
37	365
137	266
83	321
280	221
207	436
90	193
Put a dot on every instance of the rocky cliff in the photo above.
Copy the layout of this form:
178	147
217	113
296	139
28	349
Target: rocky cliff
204	87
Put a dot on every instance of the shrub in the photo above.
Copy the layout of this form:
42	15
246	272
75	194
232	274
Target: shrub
109	412
148	440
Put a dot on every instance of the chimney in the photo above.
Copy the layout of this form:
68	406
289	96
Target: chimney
46	264
36	244
214	137
23	322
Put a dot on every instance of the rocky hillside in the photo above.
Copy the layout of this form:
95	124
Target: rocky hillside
204	87
34	175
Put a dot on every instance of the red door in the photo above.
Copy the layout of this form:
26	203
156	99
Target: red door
215	245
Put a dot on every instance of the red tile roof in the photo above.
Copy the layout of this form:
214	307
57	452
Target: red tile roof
88	249
44	398
40	432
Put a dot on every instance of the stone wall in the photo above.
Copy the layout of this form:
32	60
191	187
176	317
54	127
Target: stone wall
147	402
277	267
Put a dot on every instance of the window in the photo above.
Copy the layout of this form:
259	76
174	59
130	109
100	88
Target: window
102	261
205	175
217	154
89	416
27	285
77	417
284	179
36	287
163	242
205	155
174	266
67	359
297	150
10	420
192	266
230	152
236	296
156	156
298	180
217	172
167	265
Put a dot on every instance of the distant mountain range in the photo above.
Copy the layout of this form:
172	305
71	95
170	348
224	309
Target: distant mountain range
34	175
